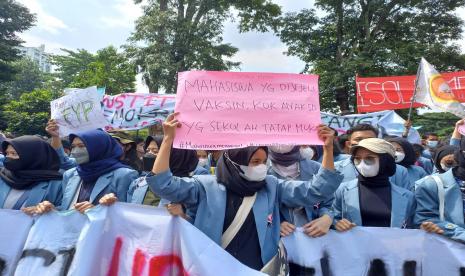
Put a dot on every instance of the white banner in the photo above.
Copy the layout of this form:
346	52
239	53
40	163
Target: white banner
132	111
376	251
124	239
14	228
387	121
79	110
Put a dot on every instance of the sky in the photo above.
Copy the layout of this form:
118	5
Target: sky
95	24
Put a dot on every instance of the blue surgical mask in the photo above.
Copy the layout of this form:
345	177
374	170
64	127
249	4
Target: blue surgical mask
432	144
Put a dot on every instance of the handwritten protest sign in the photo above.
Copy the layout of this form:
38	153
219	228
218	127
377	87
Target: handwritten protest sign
221	110
80	110
132	111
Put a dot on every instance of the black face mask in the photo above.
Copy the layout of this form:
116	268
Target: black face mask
12	164
148	160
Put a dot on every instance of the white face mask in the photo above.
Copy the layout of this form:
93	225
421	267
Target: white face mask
203	162
368	170
307	153
432	144
399	156
281	148
255	173
81	155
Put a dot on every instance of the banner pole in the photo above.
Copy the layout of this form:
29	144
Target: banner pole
408	124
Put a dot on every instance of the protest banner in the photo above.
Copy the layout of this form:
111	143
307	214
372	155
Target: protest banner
376	251
130	239
221	110
51	244
79	110
131	111
388	93
388	122
13	234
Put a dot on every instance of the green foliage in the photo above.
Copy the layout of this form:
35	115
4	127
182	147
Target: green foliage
187	35
29	114
107	68
27	78
371	38
441	123
14	19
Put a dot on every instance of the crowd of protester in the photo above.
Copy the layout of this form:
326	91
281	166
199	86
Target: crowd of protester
246	199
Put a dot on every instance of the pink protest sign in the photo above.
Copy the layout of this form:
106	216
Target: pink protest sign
221	110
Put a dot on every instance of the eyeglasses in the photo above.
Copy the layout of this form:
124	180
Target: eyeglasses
367	160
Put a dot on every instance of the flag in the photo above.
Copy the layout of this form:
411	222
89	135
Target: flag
433	91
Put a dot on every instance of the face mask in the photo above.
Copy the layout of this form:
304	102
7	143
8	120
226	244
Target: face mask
147	162
368	170
432	144
12	164
203	162
80	154
256	173
282	148
446	167
399	156
307	153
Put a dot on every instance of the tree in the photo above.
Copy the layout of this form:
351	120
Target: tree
30	113
187	34
14	18
27	78
371	38
106	68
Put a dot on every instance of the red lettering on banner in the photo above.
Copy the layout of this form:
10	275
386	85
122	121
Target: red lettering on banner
387	93
158	265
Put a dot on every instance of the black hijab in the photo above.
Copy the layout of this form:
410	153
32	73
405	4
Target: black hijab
37	162
183	162
158	140
387	168
440	153
286	159
459	157
228	173
409	158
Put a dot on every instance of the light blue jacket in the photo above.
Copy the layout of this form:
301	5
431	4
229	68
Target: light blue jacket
347	168
208	196
116	182
426	194
308	168
415	173
47	190
138	188
2	157
347	205
427	164
66	162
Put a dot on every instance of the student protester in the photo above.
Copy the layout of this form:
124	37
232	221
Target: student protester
203	159
405	156
130	156
421	161
432	142
288	162
342	143
140	144
30	174
441	200
346	167
99	172
372	199
444	158
239	208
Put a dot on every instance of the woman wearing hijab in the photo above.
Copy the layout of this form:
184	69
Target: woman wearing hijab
290	162
239	208
405	156
371	199
130	155
99	172
444	158
183	163
441	200
30	173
